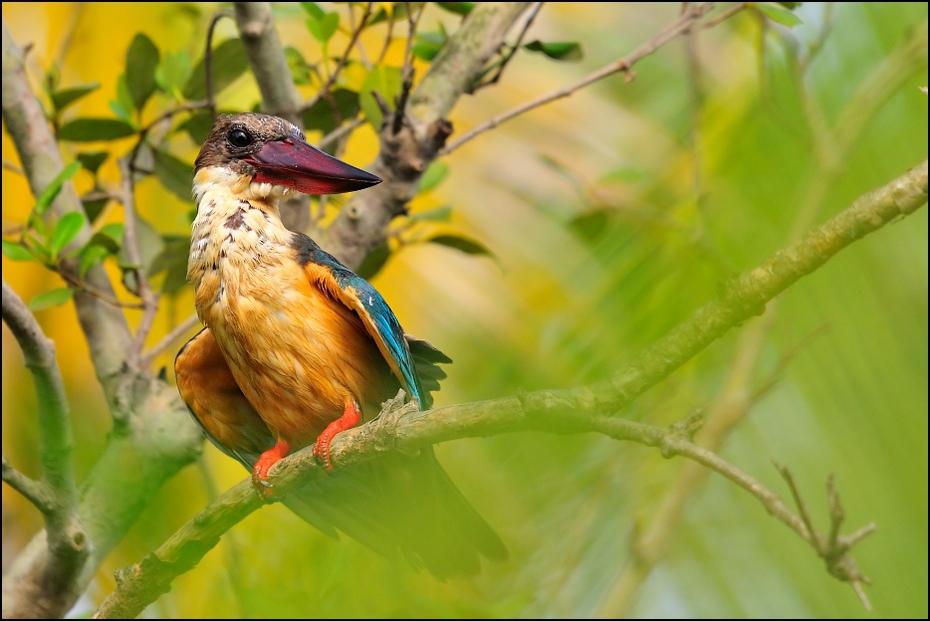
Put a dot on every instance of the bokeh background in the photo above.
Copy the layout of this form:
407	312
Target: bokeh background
610	215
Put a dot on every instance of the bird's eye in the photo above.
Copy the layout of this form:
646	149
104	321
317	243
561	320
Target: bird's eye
239	138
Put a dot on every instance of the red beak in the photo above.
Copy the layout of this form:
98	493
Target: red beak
295	164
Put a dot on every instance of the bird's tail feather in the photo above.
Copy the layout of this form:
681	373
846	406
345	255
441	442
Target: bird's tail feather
401	505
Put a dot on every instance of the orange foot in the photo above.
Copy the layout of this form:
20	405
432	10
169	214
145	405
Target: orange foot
260	470
350	418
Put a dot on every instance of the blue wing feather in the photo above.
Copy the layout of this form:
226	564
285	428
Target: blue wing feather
358	294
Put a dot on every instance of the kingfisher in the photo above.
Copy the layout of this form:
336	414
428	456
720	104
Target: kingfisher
297	348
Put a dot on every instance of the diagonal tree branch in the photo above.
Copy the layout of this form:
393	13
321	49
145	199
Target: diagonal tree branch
56	494
152	437
579	410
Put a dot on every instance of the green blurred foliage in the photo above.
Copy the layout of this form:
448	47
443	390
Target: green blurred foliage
610	217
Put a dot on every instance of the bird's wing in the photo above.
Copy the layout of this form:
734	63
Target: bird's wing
356	294
216	403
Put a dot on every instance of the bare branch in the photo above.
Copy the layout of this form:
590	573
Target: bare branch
35	492
683	24
579	410
169	339
534	11
131	243
208	60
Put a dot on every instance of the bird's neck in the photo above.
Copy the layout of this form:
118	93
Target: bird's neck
237	223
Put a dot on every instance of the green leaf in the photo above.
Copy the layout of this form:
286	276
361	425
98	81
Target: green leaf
141	61
321	115
66	230
300	69
109	237
229	62
439	214
91	255
779	14
323	28
51	191
123	106
465	244
624	175
459	8
150	246
559	50
64	98
173	72
175	174
374	261
92	160
384	80
173	262
93	207
434	175
428	44
313	10
15	251
198	126
55	297
93	129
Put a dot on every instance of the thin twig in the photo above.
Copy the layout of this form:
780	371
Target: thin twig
389	37
353	39
13	167
680	26
78	284
36	492
412	23
343	130
534	11
169	339
131	243
725	15
208	61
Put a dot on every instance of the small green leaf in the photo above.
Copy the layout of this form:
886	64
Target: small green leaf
110	236
434	175
173	72
375	260
51	191
90	130
198	126
466	245
428	44
321	115
173	262
323	28
386	81
313	10
300	69
17	252
64	98
175	174
66	230
624	175
439	214
150	246
91	255
459	8
92	160
559	50
93	207
779	14
229	62
123	106
55	297
141	61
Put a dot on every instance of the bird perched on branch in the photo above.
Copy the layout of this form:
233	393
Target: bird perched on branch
297	348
